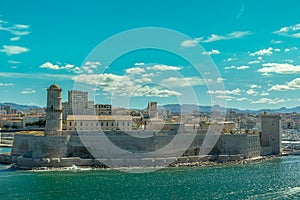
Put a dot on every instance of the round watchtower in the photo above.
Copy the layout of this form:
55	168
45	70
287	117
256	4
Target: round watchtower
54	110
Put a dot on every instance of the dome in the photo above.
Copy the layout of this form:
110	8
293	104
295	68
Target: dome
55	87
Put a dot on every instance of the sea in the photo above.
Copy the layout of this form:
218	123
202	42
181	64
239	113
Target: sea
277	178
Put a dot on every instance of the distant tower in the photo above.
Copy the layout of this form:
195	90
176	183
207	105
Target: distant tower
152	109
54	111
270	132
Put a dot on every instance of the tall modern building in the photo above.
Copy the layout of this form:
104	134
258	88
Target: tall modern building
54	110
78	104
270	134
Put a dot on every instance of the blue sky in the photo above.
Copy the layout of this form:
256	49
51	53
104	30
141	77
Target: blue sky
255	46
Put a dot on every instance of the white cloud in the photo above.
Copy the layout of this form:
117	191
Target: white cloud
253	86
230	67
268	101
279	68
237	68
88	67
251	92
143	80
290	31
292	85
135	70
15	38
219	80
253	62
230	36
28	91
139	64
45	76
183	82
190	43
242	99
211	52
264	93
164	68
20	26
10	50
6	84
225	92
276	41
263	52
227	97
13	62
48	65
153	91
242	67
231	59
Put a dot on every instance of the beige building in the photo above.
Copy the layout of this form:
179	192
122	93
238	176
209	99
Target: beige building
94	123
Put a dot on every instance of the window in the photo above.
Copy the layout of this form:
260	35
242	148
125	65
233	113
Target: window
70	123
101	123
106	123
80	123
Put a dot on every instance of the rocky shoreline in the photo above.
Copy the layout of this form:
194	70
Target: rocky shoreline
58	164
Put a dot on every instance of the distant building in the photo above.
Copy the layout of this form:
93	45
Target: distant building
96	123
5	108
270	134
103	109
152	110
78	104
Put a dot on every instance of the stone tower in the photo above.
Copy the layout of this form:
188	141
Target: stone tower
270	133
54	111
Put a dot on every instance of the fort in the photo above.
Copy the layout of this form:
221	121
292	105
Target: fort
65	148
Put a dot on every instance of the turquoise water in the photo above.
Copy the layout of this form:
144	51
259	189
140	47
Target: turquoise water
273	179
5	149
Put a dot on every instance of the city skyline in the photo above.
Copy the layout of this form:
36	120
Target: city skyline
255	50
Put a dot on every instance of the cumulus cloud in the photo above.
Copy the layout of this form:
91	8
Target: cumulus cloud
123	85
214	51
164	68
227	97
251	92
154	91
190	43
48	65
10	50
225	92
268	101
263	52
183	82
242	67
279	68
290	31
292	85
135	70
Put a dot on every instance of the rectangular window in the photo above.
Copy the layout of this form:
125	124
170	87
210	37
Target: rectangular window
70	123
80	123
